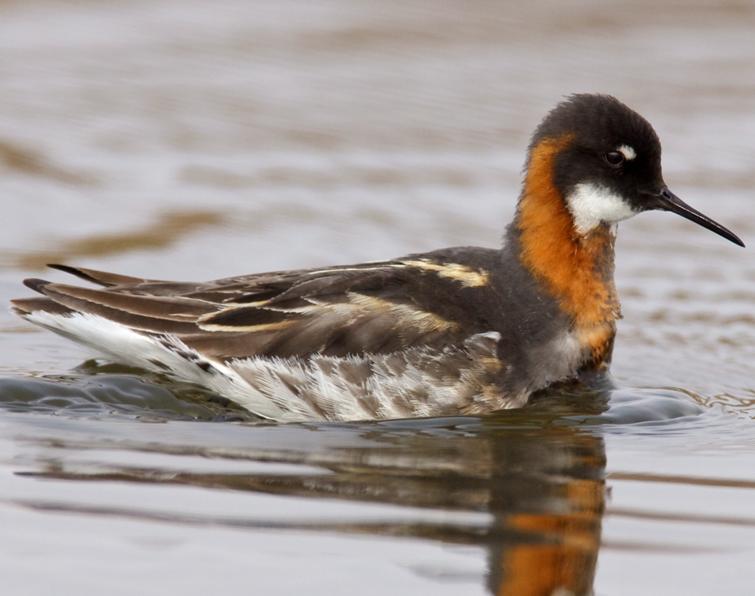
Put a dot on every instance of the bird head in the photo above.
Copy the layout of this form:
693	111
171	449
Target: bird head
604	161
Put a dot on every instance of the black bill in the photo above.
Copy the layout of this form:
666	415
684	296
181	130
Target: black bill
668	201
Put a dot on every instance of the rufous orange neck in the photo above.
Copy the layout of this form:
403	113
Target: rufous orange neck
577	270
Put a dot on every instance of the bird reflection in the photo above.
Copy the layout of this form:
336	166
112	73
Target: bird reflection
532	478
548	495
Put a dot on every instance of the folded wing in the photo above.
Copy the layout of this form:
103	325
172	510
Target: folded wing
372	308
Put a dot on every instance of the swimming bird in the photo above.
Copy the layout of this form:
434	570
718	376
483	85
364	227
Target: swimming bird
463	330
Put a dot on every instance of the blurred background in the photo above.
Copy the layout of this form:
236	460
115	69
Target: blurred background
196	140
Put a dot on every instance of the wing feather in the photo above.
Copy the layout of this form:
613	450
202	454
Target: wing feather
370	308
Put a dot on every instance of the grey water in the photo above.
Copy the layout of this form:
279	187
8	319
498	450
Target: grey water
191	140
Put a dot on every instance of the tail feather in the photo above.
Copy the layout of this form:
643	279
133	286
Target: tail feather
137	322
38	285
140	313
102	278
175	308
26	306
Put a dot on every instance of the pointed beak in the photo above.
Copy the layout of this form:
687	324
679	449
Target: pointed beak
668	201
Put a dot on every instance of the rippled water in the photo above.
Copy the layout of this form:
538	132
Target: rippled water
175	140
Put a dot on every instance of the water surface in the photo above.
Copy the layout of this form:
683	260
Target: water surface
173	140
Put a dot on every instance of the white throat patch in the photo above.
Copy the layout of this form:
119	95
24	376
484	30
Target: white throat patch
591	205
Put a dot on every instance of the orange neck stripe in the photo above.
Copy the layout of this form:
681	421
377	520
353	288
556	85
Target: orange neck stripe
577	270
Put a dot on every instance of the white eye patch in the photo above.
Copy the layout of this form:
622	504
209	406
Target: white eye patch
628	152
591	204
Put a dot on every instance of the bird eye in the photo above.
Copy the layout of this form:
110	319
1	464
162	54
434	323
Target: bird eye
614	158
